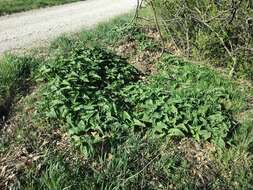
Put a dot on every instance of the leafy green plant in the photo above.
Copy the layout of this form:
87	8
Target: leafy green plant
83	93
171	104
96	97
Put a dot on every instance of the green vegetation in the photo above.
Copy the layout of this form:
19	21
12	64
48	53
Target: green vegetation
217	31
94	93
12	6
106	114
13	74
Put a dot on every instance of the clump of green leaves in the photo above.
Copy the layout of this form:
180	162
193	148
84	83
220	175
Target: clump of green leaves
82	93
97	96
185	100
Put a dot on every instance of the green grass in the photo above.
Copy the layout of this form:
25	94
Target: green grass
14	72
13	6
96	122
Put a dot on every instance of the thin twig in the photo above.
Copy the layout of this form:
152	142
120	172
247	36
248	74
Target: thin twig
158	27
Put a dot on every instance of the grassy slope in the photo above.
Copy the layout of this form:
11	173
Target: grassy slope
51	162
13	6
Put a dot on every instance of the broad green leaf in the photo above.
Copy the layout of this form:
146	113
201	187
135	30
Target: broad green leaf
175	132
160	127
205	134
137	122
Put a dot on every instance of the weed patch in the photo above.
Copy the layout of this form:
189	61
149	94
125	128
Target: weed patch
97	97
83	92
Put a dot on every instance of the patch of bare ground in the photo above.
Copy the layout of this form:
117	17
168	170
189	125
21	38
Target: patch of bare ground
144	60
199	155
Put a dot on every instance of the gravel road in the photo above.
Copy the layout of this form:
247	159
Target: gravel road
28	29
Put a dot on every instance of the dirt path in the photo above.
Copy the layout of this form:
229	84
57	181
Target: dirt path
23	30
